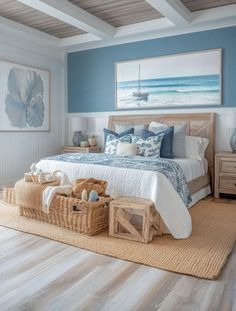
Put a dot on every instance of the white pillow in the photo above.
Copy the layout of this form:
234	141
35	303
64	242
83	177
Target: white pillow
156	127
137	128
178	144
195	147
149	147
126	149
112	141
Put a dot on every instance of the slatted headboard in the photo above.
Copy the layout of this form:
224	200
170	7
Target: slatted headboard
198	124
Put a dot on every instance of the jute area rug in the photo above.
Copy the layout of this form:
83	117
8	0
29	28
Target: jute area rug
203	254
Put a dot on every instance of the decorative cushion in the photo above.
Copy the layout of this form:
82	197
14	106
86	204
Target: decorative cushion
156	127
195	147
178	146
126	149
125	132
149	147
112	141
166	144
137	128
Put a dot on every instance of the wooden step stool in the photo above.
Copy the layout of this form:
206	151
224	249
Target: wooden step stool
121	212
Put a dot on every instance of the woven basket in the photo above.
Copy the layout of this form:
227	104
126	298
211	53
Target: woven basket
8	195
84	217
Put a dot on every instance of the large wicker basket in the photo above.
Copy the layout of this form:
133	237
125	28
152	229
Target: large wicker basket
84	217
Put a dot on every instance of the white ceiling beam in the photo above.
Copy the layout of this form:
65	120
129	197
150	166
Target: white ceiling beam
80	39
128	31
174	10
143	27
216	14
128	34
71	14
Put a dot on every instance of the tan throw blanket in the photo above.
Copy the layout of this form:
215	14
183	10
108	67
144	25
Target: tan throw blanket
29	194
89	184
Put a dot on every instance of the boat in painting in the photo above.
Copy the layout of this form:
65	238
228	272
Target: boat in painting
139	95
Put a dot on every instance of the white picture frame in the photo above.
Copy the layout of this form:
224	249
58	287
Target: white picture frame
24	98
178	80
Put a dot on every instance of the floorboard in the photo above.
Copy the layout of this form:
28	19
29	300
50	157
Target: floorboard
40	274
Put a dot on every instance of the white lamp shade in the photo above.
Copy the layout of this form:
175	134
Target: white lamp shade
79	124
230	120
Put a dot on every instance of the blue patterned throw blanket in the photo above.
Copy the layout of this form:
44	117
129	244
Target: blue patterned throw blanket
169	168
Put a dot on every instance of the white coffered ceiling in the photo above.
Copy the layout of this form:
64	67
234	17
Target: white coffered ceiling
81	24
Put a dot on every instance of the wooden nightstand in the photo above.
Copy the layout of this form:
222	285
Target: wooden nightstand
75	149
225	173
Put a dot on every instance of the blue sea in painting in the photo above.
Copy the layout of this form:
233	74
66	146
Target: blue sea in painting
177	91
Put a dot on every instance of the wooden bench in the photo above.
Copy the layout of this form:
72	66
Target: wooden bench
122	211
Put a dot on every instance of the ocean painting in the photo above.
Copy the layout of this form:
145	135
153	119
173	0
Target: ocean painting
24	98
192	79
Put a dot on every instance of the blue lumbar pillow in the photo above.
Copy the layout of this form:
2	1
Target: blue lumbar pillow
117	135
166	144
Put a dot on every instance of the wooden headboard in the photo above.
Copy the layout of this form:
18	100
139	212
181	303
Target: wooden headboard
198	124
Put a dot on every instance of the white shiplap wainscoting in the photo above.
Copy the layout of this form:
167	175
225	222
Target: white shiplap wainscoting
20	149
98	120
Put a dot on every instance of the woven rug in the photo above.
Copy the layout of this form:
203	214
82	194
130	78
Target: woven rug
203	254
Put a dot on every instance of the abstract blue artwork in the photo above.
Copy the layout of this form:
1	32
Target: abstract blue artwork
189	79
24	96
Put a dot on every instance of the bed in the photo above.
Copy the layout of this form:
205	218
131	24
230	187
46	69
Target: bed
151	184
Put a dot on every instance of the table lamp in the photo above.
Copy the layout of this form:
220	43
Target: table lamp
231	123
78	125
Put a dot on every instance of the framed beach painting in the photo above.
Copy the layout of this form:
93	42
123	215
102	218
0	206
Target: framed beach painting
24	98
179	80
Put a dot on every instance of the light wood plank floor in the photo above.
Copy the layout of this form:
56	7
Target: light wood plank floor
40	274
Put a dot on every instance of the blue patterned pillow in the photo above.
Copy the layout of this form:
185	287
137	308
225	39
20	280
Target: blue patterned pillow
149	147
166	144
107	132
112	141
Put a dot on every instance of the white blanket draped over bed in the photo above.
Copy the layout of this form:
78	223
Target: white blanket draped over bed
133	182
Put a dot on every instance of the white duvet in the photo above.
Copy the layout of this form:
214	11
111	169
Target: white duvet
138	183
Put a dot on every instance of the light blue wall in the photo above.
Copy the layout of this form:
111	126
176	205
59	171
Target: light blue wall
91	77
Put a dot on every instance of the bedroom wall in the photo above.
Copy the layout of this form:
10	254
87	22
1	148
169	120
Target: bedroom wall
91	73
91	78
18	150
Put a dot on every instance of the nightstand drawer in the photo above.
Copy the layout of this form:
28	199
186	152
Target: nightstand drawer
228	166
228	183
225	173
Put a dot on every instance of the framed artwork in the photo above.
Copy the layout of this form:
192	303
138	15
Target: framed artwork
24	98
179	80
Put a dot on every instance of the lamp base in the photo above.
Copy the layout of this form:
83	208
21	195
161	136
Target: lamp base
233	141
77	138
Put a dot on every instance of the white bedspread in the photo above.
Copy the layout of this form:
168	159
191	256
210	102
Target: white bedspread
138	183
192	168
